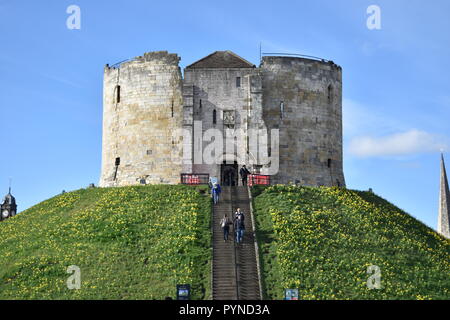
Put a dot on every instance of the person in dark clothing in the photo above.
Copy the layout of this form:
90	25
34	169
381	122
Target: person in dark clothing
225	224
239	228
244	173
239	213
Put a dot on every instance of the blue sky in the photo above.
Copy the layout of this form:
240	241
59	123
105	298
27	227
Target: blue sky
396	83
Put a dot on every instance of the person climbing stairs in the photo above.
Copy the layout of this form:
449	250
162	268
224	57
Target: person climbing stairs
234	267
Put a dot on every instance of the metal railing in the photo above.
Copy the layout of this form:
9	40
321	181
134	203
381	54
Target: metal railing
258	179
118	64
194	178
294	55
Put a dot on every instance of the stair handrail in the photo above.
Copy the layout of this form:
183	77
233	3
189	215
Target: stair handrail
255	241
212	248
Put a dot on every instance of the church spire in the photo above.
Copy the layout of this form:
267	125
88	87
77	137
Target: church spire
444	203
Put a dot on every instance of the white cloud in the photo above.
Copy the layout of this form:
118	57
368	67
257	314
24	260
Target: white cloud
409	142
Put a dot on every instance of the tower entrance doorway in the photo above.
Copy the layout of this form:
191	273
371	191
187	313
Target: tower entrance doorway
229	174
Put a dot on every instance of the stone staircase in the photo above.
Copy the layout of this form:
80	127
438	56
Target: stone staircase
234	267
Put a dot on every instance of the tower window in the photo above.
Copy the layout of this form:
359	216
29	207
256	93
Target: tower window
117	97
200	103
281	109
330	93
172	109
214	116
238	82
329	163
248	144
116	168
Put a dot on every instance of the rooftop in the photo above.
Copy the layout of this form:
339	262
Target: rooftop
221	59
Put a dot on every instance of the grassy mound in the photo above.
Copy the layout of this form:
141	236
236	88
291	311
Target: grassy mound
129	243
322	241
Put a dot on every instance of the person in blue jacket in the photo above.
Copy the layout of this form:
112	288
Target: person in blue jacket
216	190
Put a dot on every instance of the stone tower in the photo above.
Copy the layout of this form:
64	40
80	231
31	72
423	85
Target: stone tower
303	99
296	103
142	105
444	203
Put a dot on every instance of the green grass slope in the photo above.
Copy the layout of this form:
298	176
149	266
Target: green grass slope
129	243
322	241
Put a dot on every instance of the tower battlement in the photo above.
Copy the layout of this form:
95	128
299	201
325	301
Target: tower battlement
156	57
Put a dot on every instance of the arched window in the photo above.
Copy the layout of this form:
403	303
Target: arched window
214	116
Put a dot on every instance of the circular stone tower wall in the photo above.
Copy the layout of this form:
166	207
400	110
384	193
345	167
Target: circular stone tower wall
142	106
303	99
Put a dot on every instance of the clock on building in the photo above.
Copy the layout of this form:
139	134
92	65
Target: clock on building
8	207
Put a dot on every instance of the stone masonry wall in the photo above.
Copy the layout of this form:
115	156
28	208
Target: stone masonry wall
215	89
138	129
303	98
